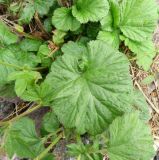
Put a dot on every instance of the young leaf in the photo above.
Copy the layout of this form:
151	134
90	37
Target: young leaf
138	19
130	138
6	36
85	152
43	55
88	10
44	50
23	79
50	122
22	141
39	93
89	95
64	20
58	37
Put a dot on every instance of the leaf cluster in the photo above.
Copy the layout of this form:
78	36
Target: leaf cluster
76	66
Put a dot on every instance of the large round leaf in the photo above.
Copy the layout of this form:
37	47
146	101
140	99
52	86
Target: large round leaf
91	87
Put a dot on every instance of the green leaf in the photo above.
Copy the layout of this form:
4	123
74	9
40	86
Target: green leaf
44	50
13	59
64	20
30	44
23	79
70	47
27	13
145	52
58	37
107	22
22	141
111	38
115	12
85	152
88	10
89	95
20	86
43	7
138	19
6	36
43	55
38	93
110	32
50	122
24	58
6	56
130	139
141	105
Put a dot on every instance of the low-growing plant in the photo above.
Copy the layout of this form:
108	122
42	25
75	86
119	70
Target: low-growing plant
76	65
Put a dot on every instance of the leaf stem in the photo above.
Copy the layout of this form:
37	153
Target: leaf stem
21	115
42	155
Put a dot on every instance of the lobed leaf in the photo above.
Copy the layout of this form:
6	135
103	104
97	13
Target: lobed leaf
130	139
23	141
138	19
89	95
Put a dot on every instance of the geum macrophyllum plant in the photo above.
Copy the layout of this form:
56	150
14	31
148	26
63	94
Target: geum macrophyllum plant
82	75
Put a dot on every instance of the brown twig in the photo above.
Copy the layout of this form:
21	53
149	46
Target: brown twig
40	25
148	100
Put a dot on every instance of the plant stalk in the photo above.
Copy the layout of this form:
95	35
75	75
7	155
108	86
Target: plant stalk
42	155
